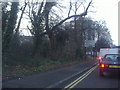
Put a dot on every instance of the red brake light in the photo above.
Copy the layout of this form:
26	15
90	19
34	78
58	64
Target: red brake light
102	65
99	57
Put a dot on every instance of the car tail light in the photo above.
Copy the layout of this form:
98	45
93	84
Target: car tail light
99	58
103	65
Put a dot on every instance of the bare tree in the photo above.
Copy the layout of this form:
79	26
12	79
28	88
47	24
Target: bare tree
50	32
43	14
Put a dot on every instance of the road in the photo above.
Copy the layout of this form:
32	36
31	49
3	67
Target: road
61	78
49	78
91	79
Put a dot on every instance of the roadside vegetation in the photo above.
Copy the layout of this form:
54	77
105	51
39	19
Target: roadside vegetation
53	42
41	65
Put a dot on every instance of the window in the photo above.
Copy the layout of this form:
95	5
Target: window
112	57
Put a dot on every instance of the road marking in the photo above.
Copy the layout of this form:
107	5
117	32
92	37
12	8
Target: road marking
82	78
75	82
77	79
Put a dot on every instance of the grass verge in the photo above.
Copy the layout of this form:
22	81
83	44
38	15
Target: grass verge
35	66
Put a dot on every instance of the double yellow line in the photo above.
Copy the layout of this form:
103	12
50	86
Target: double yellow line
78	80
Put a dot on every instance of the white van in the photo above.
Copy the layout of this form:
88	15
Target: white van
104	51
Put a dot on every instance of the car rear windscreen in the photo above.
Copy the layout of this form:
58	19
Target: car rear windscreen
112	57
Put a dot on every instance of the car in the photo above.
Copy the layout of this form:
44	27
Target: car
110	62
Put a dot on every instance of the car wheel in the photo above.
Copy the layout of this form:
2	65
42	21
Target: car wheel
101	73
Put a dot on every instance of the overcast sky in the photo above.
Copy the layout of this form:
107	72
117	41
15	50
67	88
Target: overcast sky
107	10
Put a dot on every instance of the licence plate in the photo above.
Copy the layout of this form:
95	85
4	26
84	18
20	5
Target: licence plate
114	66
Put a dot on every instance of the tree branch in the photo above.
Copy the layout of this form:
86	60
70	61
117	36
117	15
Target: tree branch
70	8
82	14
17	29
40	8
88	6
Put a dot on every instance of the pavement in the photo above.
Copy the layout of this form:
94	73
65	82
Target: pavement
49	79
